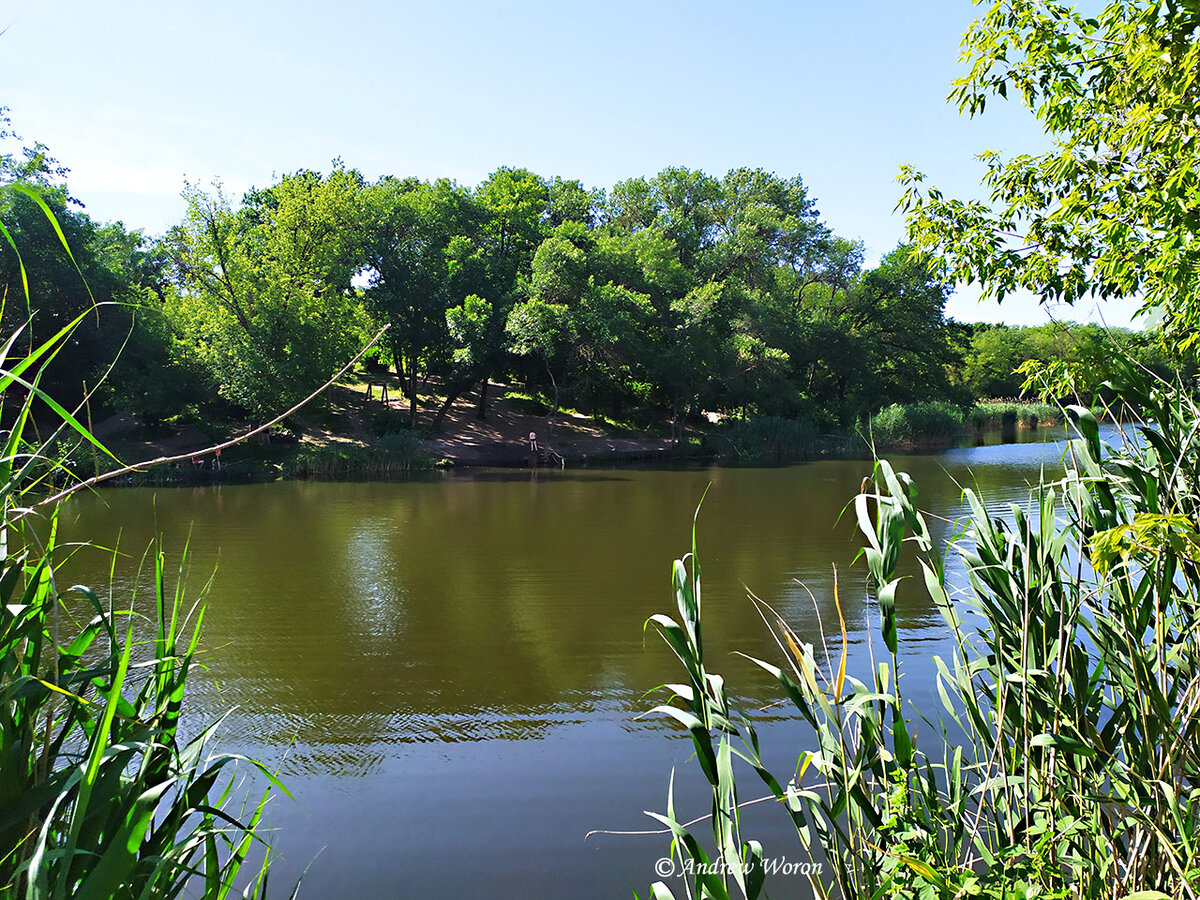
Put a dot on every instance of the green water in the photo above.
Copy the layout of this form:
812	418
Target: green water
448	672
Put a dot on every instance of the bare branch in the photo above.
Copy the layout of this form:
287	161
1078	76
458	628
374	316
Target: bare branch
233	442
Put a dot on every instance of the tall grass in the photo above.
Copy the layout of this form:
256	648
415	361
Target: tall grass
101	795
917	425
393	454
1065	760
1023	414
764	439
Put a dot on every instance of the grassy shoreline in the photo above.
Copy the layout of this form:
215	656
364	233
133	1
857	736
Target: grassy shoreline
763	441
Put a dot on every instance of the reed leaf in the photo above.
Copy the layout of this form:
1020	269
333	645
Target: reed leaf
1067	753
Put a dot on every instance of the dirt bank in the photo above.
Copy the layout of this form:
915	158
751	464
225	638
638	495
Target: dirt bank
502	439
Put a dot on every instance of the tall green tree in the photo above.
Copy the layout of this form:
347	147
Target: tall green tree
265	295
585	333
423	236
516	203
111	272
991	363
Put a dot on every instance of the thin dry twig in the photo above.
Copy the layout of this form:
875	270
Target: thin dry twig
232	442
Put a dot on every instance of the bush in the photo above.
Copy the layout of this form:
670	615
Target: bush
386	421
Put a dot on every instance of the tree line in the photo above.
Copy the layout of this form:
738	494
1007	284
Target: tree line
672	294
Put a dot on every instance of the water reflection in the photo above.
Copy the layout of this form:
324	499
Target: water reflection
407	651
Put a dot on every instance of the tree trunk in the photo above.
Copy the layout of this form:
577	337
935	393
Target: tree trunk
399	361
553	409
481	412
441	413
412	397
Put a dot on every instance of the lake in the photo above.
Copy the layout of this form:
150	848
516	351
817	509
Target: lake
450	672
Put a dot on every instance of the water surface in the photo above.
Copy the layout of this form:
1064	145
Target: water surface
449	671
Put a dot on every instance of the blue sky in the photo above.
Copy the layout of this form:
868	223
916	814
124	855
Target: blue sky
136	96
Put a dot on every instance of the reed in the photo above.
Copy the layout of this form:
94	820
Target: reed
917	425
1022	414
763	439
1065	760
101	795
392	455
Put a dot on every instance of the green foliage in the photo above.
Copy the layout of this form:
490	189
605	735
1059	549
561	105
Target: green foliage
1065	761
764	439
156	376
265	300
425	257
1061	361
991	363
727	294
917	425
101	796
108	272
678	294
395	453
1110	209
995	413
385	421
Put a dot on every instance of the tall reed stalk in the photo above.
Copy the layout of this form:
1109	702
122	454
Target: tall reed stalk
1065	760
101	794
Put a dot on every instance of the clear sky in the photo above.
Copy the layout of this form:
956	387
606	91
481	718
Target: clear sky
135	96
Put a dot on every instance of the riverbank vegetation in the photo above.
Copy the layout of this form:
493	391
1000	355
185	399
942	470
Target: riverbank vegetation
1022	414
104	792
674	300
1063	760
1066	759
930	424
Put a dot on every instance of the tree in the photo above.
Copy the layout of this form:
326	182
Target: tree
110	272
765	225
516	203
422	234
897	311
990	365
265	297
882	339
1113	209
476	334
580	330
570	201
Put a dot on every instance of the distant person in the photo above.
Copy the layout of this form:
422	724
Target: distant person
533	447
